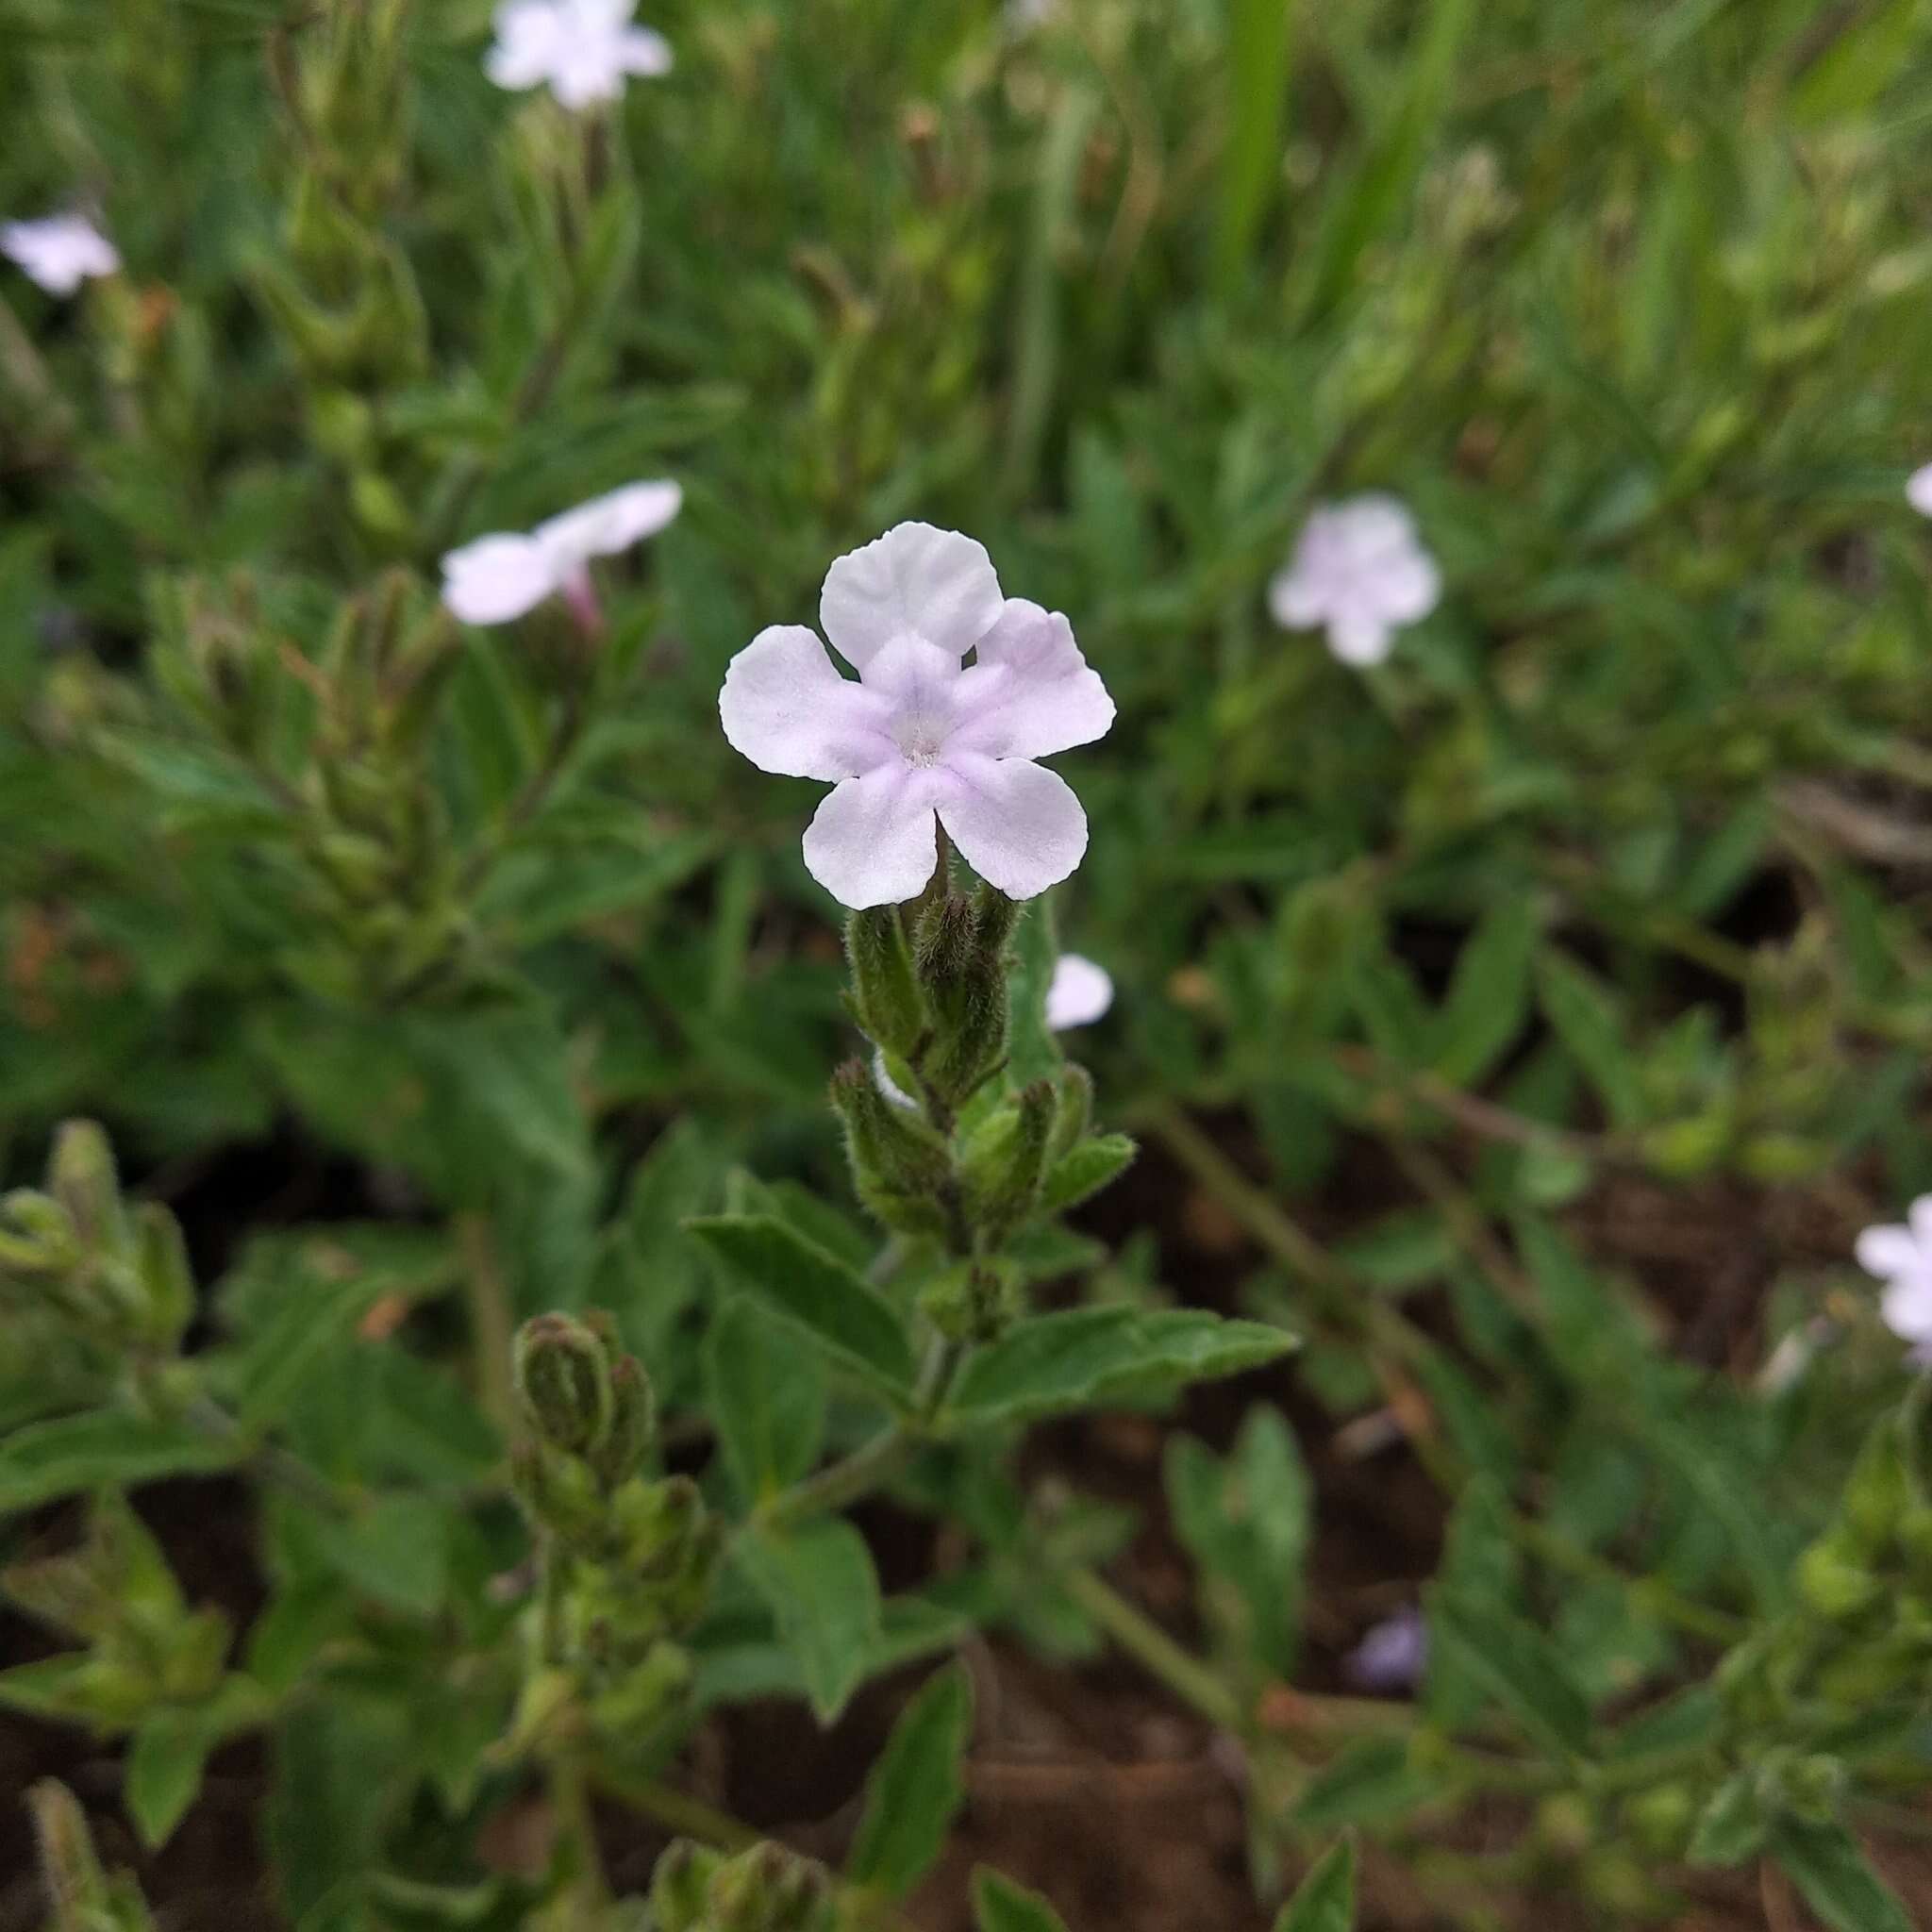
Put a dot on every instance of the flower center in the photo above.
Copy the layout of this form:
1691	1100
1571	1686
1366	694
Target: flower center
921	738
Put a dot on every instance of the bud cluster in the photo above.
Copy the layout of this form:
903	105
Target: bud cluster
939	1152
115	1594
629	1562
74	1254
367	832
1857	1642
767	1889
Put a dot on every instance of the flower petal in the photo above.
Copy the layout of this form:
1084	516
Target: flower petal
1297	600
1017	825
1409	587
786	708
497	579
1918	490
872	842
529	35
1079	993
1890	1254
1918	1218
643	51
1907	1307
1029	694
607	525
1358	637
933	584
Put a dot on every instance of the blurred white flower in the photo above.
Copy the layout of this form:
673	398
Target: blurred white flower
1359	569
60	252
1022	16
583	50
1079	993
1918	490
1900	1256
1076	995
920	734
500	576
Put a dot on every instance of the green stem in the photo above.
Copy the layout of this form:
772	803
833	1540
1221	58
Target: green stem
569	1795
842	1482
493	1327
675	1810
1150	1646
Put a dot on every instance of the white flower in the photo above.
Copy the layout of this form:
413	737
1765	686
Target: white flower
1900	1256
921	733
1918	490
60	252
585	50
500	576
1359	569
1079	993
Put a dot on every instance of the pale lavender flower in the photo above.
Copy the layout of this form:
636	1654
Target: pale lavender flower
921	734
1079	993
1900	1256
1359	569
500	576
1918	490
60	252
1392	1654
583	50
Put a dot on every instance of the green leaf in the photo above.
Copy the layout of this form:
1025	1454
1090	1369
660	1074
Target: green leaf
1251	166
1324	1900
819	1580
1081	1173
1824	1860
1489	999
844	1314
766	1397
1364	1783
165	1760
396	1551
104	1448
1246	1520
1731	1827
1032	1052
1000	1905
915	1788
1589	1026
1515	1664
1087	1356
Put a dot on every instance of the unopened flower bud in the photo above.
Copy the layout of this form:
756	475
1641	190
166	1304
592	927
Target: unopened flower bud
767	1889
679	1886
633	1419
900	1167
81	1179
563	1374
1005	1162
886	999
960	954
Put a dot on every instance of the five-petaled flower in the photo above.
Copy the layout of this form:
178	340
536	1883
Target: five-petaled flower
500	576
1900	1256
60	252
919	733
1360	569
1919	490
584	50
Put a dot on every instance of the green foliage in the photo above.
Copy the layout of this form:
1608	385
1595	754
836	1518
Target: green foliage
1532	1021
